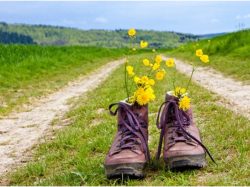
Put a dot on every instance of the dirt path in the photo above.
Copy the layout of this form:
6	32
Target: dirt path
236	95
19	132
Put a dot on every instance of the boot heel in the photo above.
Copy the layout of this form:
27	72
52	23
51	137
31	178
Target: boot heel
132	170
186	162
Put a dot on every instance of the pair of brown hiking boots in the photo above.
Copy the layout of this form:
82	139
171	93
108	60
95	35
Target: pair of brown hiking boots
129	152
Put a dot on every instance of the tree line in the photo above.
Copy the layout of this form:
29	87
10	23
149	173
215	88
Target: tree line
14	38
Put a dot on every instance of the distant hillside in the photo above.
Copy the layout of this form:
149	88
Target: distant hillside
234	43
54	35
228	53
209	36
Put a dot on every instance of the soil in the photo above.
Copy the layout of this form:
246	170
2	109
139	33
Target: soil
20	132
235	95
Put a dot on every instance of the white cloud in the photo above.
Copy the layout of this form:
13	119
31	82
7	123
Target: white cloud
246	16
101	20
238	17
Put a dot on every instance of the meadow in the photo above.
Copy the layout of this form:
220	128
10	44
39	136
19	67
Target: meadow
65	160
229	54
74	155
28	72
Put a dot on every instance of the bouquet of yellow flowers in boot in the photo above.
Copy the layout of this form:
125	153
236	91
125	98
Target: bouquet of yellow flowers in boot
180	136
129	151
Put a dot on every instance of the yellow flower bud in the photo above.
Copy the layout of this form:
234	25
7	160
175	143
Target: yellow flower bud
143	44
158	59
132	32
184	103
199	52
170	62
204	58
146	62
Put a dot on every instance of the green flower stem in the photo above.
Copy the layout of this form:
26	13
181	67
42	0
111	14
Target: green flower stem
173	78
125	70
125	79
150	72
189	81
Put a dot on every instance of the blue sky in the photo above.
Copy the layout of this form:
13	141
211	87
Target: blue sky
189	17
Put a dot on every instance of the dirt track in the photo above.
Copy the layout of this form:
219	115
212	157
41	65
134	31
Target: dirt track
19	132
236	96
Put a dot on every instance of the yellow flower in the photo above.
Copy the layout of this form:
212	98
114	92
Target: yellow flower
144	79
204	58
170	62
136	79
156	66
143	99
144	96
132	32
160	75
184	103
151	82
130	70
183	91
153	50
131	99
143	44
139	91
158	59
146	62
150	92
179	91
199	52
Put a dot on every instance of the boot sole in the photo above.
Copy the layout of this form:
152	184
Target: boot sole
131	170
186	162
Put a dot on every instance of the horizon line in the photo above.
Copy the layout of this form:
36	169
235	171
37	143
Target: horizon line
81	29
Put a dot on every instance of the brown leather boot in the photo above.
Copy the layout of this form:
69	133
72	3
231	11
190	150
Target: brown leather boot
182	144
129	152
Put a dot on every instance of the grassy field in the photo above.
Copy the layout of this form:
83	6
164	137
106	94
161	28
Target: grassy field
27	72
228	54
76	155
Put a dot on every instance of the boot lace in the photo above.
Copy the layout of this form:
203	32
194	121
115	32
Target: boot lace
168	111
131	128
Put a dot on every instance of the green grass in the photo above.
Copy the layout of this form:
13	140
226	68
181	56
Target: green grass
27	72
228	54
76	155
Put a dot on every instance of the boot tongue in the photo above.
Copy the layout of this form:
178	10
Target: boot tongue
128	138
184	121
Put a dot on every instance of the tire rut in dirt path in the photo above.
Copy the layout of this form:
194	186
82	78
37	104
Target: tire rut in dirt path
236	95
19	132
